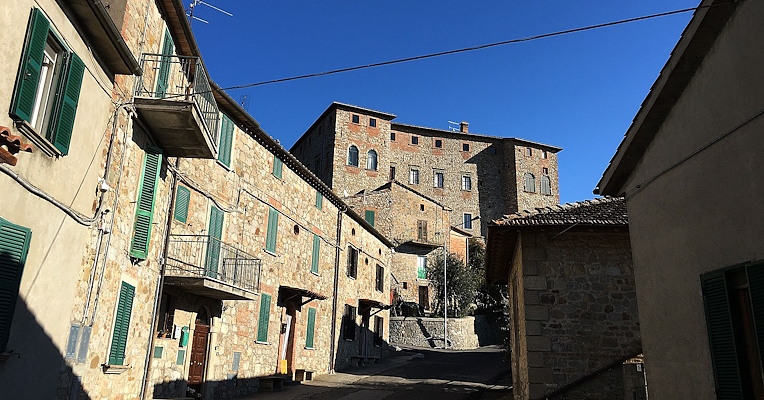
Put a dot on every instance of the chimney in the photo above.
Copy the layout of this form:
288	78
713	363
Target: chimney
464	127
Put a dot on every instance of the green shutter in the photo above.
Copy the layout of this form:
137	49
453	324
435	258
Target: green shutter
319	200
311	327
31	63
14	246
262	322
369	217
213	245
121	325
721	336
164	66
756	289
63	120
226	141
316	254
273	227
182	199
278	166
145	210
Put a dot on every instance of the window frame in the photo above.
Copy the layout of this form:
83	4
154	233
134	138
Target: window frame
545	183
529	181
437	141
372	122
352	150
371	160
421	267
529	152
379	279
144	212
438	183
465	147
370	217
225	141
272	232
421	231
414	140
355	118
262	323
278	168
126	289
310	330
392	136
350	316
319	200
466	182
467	221
315	254
352	265
14	241
414	176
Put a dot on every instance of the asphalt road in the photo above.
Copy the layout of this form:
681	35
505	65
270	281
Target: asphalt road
412	374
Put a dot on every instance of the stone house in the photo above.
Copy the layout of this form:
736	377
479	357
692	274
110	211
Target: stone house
696	236
572	300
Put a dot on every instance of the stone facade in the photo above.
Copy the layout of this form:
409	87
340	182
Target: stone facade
463	333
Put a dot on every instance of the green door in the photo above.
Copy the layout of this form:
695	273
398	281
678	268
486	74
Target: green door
213	244
163	77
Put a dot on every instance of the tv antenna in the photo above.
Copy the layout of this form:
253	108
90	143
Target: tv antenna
244	102
454	126
195	3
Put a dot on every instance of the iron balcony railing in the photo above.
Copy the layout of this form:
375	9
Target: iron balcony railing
177	78
432	239
207	256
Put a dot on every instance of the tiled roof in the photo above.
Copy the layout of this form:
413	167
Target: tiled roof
601	212
10	145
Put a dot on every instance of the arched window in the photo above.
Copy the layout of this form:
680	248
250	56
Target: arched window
371	160
546	185
530	183
353	156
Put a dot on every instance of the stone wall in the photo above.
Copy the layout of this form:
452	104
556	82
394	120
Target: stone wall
521	163
463	333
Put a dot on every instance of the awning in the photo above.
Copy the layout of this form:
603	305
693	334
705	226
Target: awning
287	293
368	303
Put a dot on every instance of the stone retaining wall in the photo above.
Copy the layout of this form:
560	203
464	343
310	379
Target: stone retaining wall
464	333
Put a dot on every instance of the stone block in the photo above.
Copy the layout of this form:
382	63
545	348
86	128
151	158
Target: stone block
535	359
538	343
540	375
533	328
536	390
531	297
534	253
534	282
530	268
536	313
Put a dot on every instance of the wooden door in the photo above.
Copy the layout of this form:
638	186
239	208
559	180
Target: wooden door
198	354
363	342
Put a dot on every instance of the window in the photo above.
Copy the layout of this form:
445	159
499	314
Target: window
165	316
438	179
215	233
528	151
356	119
466	182
121	324
182	198
380	279
369	217
492	150
163	76
311	328
272	233
353	156
424	297
226	141
315	256
349	317
405	285
421	267
263	319
544	154
392	172
421	231
439	143
421	207
371	160
373	122
144	212
379	326
48	84
414	139
392	136
278	167
352	262
733	300
467	221
530	183
465	147
545	170
414	176
319	200
546	185
14	247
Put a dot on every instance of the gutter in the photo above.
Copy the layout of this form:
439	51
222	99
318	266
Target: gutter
115	36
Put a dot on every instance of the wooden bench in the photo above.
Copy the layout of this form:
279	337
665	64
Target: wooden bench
303	375
273	382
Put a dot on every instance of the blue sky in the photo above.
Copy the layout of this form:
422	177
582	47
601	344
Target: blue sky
579	91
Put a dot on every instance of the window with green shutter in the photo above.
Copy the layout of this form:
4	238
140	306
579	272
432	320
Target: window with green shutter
262	322
48	84
182	198
163	77
278	166
121	324
213	245
273	227
144	213
319	200
316	254
369	217
14	246
311	328
226	141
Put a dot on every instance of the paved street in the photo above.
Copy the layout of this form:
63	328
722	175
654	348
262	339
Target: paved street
412	374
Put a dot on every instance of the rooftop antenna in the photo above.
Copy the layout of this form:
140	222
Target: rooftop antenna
454	126
244	102
195	3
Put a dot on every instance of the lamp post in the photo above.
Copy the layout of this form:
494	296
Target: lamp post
445	283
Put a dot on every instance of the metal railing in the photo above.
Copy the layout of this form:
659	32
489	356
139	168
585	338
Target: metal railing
207	256
174	77
433	239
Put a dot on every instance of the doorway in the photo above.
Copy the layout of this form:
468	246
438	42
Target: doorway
363	342
199	350
286	352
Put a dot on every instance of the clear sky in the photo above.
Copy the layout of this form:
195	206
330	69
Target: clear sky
579	91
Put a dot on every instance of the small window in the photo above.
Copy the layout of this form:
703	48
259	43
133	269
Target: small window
544	154
414	139
546	185
414	176
272	232
528	151
225	144
392	172
373	122
352	270
466	183
278	167
467	221
380	278
421	231
465	147
424	297
264	317
545	170
492	150
350	324
421	207
319	200
439	143
310	332
356	119
529	183
371	160
392	136
316	255
182	198
121	324
421	267
353	156
438	179
405	285
369	217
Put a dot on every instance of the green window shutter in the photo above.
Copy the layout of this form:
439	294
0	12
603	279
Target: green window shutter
182	199
163	76
316	254
145	210
319	200
756	290
278	166
721	336
31	63
226	141
121	324
273	227
262	322
311	327
369	217
213	245
14	246
61	130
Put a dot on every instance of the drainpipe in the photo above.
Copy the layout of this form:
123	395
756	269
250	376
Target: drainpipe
332	347
160	285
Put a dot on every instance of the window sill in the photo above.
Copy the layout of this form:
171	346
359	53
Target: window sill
309	348
315	273
262	343
352	277
114	369
270	252
43	144
226	167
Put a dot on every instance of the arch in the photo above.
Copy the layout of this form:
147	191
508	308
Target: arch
530	183
546	185
353	156
371	160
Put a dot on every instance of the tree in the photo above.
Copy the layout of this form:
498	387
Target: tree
462	284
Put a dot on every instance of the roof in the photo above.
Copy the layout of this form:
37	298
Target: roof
335	105
387	187
602	211
696	41
404	127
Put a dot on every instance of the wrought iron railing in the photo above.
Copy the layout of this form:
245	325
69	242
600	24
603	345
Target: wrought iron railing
207	256
433	239
175	77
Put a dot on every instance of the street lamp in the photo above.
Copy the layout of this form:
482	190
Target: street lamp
445	283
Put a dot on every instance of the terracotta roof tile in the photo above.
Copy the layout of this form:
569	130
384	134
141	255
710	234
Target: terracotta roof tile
602	211
10	145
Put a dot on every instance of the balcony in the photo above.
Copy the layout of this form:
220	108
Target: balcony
174	100
415	238
205	266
